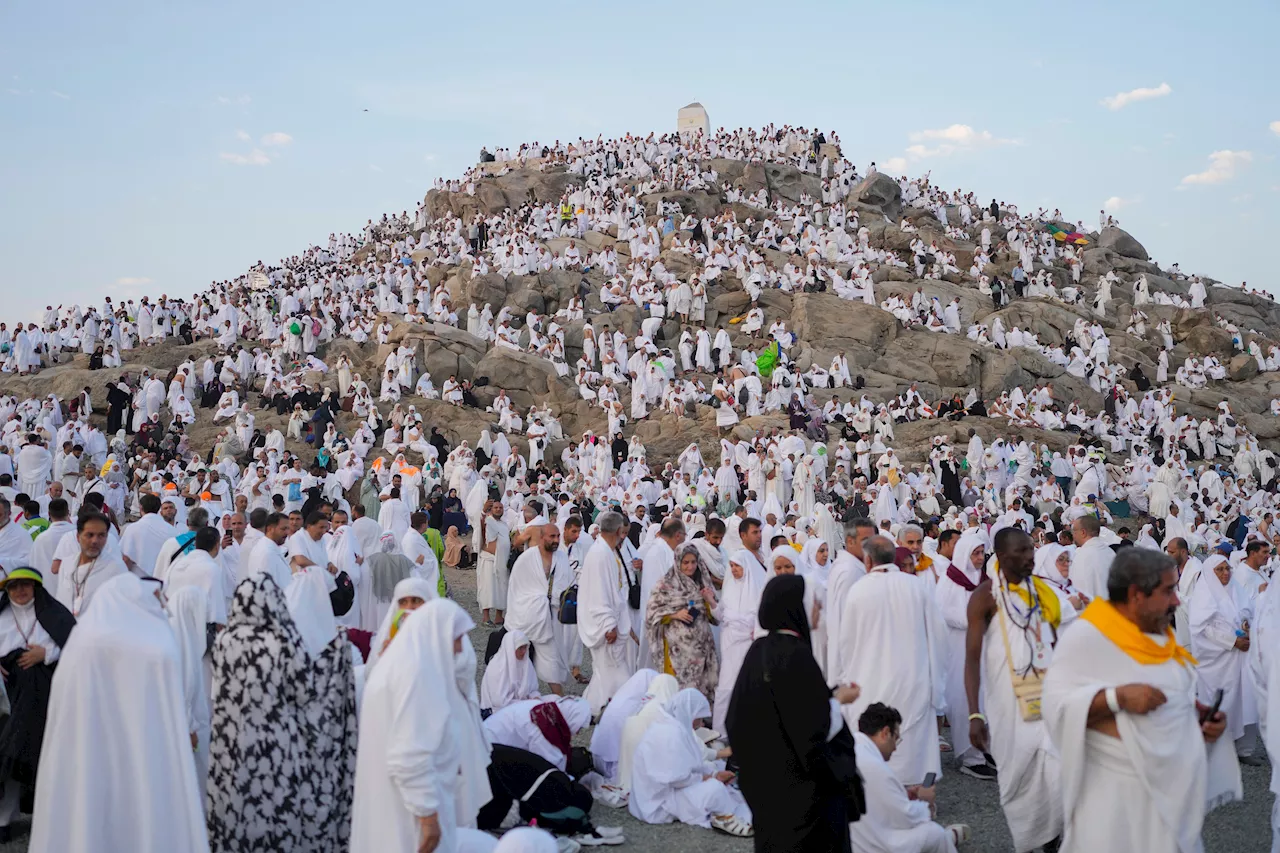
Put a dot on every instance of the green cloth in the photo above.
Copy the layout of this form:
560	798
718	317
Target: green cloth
36	526
767	360
436	542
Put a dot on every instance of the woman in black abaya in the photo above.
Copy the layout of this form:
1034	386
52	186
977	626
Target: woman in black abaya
799	779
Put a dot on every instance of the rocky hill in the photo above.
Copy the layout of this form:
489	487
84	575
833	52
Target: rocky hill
879	348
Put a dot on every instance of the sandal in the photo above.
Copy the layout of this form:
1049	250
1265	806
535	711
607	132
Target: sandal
580	678
943	746
959	832
731	825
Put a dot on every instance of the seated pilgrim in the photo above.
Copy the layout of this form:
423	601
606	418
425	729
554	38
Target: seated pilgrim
899	818
672	780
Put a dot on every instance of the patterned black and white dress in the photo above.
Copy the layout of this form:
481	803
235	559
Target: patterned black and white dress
262	682
330	735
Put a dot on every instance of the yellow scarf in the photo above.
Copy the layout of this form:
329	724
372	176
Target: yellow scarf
1129	637
1050	604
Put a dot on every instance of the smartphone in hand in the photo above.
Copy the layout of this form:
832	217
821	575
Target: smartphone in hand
1212	709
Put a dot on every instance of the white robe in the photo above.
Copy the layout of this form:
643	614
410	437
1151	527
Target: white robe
410	763
529	610
893	822
895	614
602	607
1160	768
123	663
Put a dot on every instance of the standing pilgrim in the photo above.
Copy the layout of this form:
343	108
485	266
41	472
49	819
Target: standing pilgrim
33	631
963	576
894	613
421	771
1119	703
118	772
1014	622
260	682
491	563
787	732
531	609
604	613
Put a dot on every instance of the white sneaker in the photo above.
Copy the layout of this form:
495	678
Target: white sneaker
567	845
609	831
595	839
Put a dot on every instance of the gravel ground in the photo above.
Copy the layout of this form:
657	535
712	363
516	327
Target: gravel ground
1239	828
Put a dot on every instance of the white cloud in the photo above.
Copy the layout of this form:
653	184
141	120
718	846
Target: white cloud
1120	100
1222	167
256	157
132	281
948	140
58	94
895	165
243	136
373	168
429	157
1116	202
239	100
276	139
1275	127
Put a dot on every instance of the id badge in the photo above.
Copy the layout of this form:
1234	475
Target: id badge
1040	648
76	604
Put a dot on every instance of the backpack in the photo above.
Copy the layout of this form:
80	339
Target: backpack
569	606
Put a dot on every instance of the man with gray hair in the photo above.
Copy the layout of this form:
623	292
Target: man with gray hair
848	569
604	616
894	614
1119	703
1091	562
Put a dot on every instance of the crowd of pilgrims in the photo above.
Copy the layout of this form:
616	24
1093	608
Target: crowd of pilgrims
283	609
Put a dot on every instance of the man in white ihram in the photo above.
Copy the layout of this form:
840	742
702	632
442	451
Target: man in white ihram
894	614
1139	767
604	617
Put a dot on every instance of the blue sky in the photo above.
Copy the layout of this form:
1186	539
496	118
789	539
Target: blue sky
153	147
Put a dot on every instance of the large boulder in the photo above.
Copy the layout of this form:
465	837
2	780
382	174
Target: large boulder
526	378
1122	243
880	190
835	322
1242	367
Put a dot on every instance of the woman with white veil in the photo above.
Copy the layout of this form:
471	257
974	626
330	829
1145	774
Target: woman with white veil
421	773
661	688
672	780
739	604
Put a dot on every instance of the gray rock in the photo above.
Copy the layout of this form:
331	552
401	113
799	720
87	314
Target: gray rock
1122	243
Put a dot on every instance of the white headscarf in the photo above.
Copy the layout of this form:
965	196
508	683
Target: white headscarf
682	709
782	551
405	588
508	679
662	688
309	605
743	596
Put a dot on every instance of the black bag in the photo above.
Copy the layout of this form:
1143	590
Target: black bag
569	606
633	587
344	596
